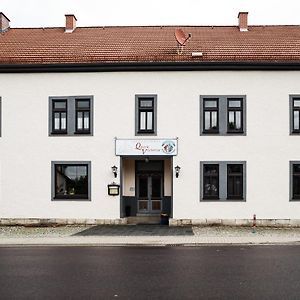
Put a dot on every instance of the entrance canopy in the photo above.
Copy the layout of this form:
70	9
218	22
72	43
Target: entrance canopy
146	147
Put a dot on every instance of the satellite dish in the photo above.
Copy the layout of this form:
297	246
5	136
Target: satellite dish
181	38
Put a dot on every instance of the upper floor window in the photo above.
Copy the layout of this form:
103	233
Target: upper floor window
211	115
295	114
59	116
146	114
70	115
223	115
235	115
83	112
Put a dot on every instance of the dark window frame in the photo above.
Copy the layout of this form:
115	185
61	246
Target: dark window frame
223	181
206	196
60	111
210	110
143	109
139	109
234	175
0	116
223	115
71	116
235	110
293	196
294	109
83	111
55	197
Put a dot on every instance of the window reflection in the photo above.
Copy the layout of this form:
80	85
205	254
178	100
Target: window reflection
71	181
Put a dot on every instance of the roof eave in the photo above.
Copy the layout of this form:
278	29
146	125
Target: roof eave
147	66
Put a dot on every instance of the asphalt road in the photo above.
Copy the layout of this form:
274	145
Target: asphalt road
213	272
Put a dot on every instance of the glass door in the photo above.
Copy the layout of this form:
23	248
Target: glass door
156	192
143	193
149	193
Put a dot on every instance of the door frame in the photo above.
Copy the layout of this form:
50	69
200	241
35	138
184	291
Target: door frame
134	198
149	173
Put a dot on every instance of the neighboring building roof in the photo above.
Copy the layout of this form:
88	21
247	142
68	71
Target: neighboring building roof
149	44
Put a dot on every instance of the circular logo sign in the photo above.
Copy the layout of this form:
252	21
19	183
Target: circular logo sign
168	147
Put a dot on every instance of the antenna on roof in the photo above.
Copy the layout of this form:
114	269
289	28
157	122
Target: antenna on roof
181	39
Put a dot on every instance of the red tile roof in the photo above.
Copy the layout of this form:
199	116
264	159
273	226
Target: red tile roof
149	44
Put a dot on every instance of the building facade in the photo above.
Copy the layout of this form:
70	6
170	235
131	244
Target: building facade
113	140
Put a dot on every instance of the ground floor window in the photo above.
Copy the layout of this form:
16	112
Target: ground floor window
223	181
295	180
234	181
211	181
71	180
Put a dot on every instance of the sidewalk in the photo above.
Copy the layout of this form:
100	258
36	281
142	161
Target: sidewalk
147	235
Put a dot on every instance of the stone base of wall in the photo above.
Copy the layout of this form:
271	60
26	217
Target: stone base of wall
60	222
172	222
236	222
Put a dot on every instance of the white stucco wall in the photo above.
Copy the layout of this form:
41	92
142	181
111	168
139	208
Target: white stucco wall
27	151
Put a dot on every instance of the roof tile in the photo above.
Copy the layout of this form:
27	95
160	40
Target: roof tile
149	44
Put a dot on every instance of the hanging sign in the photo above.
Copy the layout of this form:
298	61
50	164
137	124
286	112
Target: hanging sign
146	147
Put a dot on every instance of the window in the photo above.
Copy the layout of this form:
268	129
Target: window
235	115
0	117
59	116
235	181
223	115
295	115
295	180
211	182
211	113
223	181
70	115
70	180
83	116
146	114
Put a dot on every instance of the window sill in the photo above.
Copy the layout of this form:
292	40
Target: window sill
59	132
210	199
223	200
210	132
82	132
145	132
235	132
70	199
70	134
223	134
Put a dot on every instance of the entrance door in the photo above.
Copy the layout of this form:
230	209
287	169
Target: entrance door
149	193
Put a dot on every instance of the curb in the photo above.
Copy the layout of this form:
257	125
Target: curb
196	244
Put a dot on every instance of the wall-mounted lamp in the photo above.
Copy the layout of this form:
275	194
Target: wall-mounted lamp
177	170
115	170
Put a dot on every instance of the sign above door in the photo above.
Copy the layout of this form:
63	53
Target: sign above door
145	147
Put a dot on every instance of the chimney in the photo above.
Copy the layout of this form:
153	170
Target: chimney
4	22
70	23
243	21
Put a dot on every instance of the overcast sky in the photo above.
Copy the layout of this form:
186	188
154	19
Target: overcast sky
49	13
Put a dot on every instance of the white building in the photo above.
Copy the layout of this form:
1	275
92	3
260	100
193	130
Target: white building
224	107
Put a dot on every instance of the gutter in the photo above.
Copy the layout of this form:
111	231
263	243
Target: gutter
149	66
